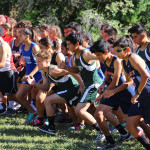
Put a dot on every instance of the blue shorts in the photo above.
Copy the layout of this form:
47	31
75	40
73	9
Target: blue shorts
141	108
122	99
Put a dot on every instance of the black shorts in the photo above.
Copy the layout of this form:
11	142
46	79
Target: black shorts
122	99
8	82
141	108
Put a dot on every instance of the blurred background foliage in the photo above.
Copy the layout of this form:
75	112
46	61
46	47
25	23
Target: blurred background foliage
122	14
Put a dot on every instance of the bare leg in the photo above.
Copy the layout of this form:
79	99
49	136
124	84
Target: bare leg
81	111
20	96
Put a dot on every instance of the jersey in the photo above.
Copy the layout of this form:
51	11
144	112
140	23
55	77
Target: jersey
64	82
9	65
16	49
68	63
53	60
30	61
67	88
111	70
135	75
145	54
88	72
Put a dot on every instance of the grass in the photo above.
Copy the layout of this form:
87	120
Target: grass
15	135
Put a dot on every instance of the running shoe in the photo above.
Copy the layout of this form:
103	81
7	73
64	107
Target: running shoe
30	118
3	109
47	129
125	137
100	137
38	123
108	146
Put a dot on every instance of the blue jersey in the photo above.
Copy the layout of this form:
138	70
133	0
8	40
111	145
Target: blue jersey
30	61
135	75
111	70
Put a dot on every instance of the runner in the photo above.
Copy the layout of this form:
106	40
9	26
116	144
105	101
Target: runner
135	69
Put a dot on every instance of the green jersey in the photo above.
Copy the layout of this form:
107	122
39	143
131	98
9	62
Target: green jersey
145	54
64	82
88	72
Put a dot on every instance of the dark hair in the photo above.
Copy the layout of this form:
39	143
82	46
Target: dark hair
111	31
112	39
37	30
1	31
106	26
46	42
138	29
45	27
100	46
74	38
27	31
23	24
88	36
74	25
125	41
64	44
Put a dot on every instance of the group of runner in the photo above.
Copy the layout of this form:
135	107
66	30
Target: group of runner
103	84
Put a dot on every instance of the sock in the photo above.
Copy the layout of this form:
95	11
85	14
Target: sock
143	140
51	121
34	102
121	129
110	139
95	126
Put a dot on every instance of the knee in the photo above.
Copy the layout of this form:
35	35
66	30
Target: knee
98	114
18	96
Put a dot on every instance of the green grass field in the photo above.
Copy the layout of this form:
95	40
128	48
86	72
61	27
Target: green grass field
14	135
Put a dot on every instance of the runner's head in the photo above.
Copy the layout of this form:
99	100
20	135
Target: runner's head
101	49
124	46
46	43
43	58
138	33
74	40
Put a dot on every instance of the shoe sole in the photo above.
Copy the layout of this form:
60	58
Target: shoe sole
51	133
5	112
101	140
115	148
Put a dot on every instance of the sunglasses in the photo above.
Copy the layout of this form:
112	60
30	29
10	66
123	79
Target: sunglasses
121	49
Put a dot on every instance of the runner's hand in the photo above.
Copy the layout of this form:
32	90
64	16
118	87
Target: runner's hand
31	80
134	99
101	88
81	89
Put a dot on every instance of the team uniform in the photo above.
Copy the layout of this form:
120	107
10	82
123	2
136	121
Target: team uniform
67	88
143	105
145	54
123	98
68	63
90	78
8	77
31	62
16	49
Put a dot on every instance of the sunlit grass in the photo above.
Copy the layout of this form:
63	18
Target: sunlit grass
14	135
